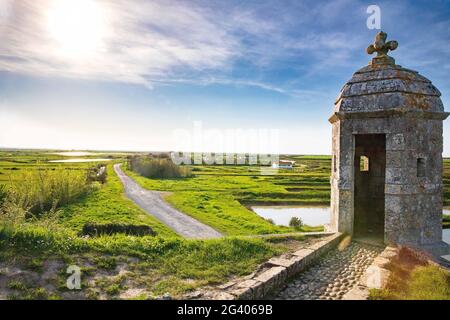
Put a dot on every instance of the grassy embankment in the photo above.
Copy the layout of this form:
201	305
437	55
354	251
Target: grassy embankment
155	265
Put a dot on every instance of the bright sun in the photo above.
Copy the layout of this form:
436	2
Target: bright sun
77	26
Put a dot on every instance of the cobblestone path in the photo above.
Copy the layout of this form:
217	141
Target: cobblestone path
332	276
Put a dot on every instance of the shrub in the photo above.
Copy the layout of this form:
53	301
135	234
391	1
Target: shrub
98	173
160	168
269	220
93	229
296	222
12	212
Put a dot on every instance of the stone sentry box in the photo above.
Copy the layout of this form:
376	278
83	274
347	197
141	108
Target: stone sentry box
387	153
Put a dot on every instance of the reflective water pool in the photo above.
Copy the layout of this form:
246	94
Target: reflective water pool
311	216
74	153
79	160
446	235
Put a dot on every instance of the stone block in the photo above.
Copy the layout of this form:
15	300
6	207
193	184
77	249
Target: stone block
345	177
292	265
256	287
304	253
381	262
395	159
227	285
389	252
301	263
221	296
401	189
271	274
272	279
398	176
281	262
394	204
242	293
395	141
375	277
318	245
345	157
357	293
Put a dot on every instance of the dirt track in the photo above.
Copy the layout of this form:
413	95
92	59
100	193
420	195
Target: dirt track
153	203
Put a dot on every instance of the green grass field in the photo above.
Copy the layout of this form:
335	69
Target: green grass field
109	204
165	263
219	196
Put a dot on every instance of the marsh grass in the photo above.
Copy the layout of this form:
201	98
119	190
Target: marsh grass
159	168
40	191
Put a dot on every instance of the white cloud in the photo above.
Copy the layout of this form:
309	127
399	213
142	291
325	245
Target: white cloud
149	42
141	40
201	42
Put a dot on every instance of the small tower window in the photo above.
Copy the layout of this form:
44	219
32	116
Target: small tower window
364	164
421	167
334	163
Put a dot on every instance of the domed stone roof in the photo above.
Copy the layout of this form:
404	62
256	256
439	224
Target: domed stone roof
383	85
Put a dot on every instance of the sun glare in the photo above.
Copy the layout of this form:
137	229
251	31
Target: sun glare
77	27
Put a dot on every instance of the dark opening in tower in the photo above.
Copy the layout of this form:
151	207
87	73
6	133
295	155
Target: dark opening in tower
370	176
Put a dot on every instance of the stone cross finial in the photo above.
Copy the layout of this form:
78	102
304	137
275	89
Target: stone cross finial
381	47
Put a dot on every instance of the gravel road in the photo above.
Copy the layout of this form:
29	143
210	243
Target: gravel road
153	203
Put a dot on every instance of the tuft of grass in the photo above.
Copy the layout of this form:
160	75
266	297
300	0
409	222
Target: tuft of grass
29	293
414	279
113	289
107	263
17	285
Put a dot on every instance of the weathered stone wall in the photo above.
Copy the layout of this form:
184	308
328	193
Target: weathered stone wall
384	98
413	205
342	181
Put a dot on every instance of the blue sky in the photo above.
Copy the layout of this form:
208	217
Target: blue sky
127	75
